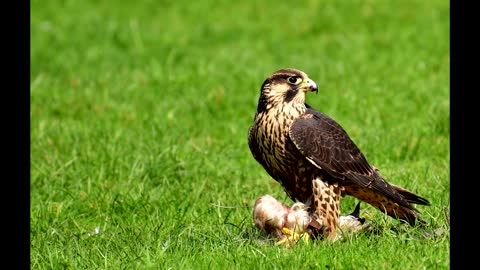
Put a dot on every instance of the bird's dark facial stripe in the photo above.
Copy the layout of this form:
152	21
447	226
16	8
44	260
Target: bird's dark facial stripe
293	81
290	94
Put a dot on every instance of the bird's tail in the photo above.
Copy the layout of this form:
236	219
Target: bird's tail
412	198
409	196
398	203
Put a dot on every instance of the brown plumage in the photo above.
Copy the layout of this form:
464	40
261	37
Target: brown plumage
314	159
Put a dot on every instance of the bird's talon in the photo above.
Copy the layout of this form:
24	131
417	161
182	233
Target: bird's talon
291	236
287	231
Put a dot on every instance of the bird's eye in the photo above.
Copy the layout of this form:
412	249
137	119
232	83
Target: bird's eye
294	80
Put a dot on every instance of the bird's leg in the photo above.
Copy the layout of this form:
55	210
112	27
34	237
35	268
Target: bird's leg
325	216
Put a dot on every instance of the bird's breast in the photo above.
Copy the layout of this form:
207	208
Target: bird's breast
278	153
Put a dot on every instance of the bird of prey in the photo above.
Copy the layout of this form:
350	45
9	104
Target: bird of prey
314	159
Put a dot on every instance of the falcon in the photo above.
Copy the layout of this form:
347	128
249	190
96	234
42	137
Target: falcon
314	159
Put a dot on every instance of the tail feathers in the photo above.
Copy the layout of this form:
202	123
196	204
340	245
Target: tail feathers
410	197
409	215
390	205
393	209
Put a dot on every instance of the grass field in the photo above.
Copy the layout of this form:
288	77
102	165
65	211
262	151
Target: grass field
139	119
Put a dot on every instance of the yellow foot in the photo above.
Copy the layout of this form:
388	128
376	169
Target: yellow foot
293	237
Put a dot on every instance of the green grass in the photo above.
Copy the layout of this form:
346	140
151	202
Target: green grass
139	118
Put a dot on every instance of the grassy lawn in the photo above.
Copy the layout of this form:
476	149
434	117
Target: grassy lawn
139	119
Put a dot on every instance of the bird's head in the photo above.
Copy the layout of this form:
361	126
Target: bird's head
286	86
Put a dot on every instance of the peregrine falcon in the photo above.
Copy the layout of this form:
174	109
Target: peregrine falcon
313	157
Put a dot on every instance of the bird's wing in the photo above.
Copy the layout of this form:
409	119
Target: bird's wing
327	145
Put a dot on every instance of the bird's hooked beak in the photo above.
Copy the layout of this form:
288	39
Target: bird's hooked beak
310	85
